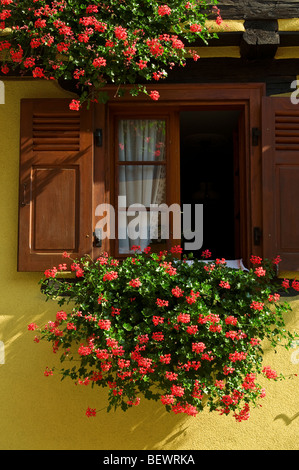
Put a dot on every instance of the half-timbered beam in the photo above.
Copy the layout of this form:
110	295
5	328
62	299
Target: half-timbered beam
258	9
260	39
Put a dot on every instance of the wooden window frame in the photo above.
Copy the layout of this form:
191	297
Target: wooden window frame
176	97
117	163
162	114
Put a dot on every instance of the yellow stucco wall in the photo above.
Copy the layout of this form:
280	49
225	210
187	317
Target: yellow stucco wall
38	412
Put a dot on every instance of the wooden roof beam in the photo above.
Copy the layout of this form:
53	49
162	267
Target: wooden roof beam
258	9
260	39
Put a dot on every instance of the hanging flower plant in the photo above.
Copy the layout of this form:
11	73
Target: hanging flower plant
100	42
187	333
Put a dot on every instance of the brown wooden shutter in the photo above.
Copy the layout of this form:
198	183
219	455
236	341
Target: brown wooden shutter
281	181
55	213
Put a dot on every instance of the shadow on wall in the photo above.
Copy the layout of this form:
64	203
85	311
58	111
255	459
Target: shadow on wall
286	419
2	353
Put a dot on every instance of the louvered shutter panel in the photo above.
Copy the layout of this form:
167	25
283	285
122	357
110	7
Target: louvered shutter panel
55	210
281	181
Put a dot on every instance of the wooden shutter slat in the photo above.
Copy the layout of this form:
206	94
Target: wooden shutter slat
288	132
288	139
60	147
56	162
288	128
287	120
57	140
289	147
59	119
59	130
286	115
56	131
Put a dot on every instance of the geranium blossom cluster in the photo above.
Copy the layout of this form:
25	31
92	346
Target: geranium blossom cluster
167	330
100	42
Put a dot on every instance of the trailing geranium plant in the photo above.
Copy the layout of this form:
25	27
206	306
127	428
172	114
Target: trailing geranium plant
99	42
187	332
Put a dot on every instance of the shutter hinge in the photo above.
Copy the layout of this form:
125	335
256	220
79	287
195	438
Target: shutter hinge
255	135
98	137
257	235
97	237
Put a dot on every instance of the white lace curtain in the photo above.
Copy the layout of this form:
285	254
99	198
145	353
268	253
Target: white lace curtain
142	185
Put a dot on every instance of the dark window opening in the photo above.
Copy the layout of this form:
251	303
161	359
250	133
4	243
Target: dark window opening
210	176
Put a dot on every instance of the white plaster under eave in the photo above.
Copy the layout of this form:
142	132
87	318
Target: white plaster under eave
228	26
290	24
291	52
213	52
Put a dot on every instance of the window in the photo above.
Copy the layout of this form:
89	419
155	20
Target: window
141	176
64	175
